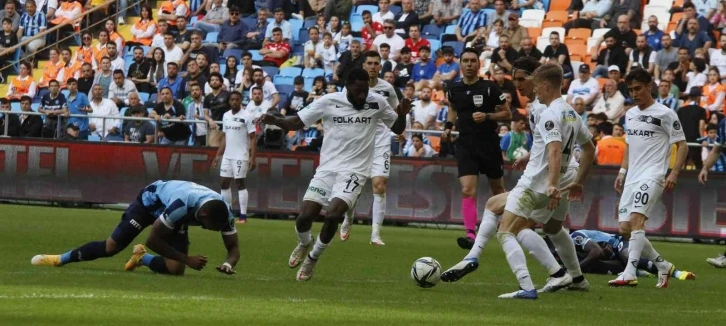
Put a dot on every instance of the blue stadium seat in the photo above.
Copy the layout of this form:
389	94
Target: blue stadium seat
211	37
256	56
237	53
395	9
297	50
271	71
35	106
458	46
122	112
303	36
360	9
144	96
355	18
285	89
431	30
65	93
356	26
283	99
94	138
270	20
489	11
309	22
283	80
15	107
308	84
435	45
290	71
250	21
451	29
313	72
295	25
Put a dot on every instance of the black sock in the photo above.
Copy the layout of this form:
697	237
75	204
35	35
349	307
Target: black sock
89	251
158	265
578	279
559	273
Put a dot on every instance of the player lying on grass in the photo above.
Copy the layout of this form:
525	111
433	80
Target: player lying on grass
169	207
605	253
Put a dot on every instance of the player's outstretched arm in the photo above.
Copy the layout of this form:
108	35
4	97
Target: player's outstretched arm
681	154
156	242
709	163
287	123
231	242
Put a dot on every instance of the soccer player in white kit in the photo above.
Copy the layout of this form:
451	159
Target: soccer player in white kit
558	129
381	153
350	119
522	71
651	128
236	152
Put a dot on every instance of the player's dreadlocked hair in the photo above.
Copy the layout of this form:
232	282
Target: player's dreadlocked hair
527	64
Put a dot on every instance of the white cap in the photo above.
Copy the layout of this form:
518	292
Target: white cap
613	68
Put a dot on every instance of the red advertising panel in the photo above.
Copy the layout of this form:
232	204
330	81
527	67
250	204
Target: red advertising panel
418	190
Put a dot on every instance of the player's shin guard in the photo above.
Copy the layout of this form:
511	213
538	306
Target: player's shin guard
155	263
468	213
648	252
566	250
487	229
318	249
227	195
243	195
379	212
637	242
537	247
515	257
87	252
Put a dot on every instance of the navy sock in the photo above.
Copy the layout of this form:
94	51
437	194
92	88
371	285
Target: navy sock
559	273
648	266
157	265
87	252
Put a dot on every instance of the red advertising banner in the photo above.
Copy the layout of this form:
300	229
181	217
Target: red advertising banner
418	190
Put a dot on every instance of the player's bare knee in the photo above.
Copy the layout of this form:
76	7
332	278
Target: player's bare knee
240	184
625	230
379	185
637	221
468	192
224	183
496	204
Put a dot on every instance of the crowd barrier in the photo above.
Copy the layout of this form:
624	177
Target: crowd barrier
419	190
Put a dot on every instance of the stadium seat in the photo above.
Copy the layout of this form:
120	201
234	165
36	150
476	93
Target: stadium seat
313	72
290	71
303	36
15	107
237	53
435	45
356	26
560	30
309	23
431	30
271	71
211	37
535	14
355	18
283	80
283	99
575	64
94	138
451	29
250	21
458	46
661	3
542	43
579	33
144	97
65	93
534	32
530	23
434	142
298	50
295	25
649	10
569	42
600	32
555	18
676	17
308	83
284	89
256	56
359	9
558	5
395	9
601	81
591	43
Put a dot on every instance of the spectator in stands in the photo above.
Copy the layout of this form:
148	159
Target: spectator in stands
615	74
30	125
11	13
695	77
32	23
214	18
173	81
424	110
445	12
689	12
71	133
117	61
718	57
230	72
280	23
708	142
425	69
194	75
87	77
23	84
611	102
68	11
386	62
506	85
171	9
630	9
78	103
579	105
664	95
471	21
318	90
182	37
371	29
119	90
665	56
714	92
585	87
383	12
143	30
693	120
195	49
12	120
139	131
338	8
310	47
158	40
693	38
500	12
590	15
71	68
415	42
449	70
313	7
418	148
214	67
296	100
174	133
342	40
113	35
246	83
612	55
669	76
705	8
172	52
653	35
157	71
8	39
515	32
503	56
558	52
269	91
232	34
406	18
84	53
680	69
140	66
389	37
424	9
53	69
194	104
404	68
623	36
643	55
325	53
529	50
104	108
217	104
610	150
255	35
348	61
515	139
258	104
104	76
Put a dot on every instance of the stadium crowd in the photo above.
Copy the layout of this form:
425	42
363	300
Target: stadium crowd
184	57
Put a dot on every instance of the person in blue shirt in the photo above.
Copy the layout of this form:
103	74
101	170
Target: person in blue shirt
449	70
653	35
714	139
169	207
78	103
425	69
717	156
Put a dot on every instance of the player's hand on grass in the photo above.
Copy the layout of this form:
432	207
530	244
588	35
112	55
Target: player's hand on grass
575	191
196	262
226	268
671	181
404	107
479	117
555	196
619	183
703	176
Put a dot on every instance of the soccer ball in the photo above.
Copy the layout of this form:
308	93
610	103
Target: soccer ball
426	272
519	152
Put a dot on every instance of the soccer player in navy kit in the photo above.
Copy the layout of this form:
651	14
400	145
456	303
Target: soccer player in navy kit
475	107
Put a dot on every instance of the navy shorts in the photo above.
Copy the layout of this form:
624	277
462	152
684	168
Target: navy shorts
474	157
136	218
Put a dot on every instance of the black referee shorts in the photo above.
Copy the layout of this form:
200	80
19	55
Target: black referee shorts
477	156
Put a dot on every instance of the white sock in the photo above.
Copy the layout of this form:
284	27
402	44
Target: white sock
243	196
350	214
304	237
649	252
379	212
318	249
487	229
515	257
637	242
566	249
537	247
227	195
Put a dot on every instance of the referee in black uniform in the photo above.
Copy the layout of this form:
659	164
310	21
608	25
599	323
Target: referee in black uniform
475	107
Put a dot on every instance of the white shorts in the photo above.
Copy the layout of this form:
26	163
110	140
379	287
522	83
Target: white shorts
325	185
532	205
381	159
639	197
233	168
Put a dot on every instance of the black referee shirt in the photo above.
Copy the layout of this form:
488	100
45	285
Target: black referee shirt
482	96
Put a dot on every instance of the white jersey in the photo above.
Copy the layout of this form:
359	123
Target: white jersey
349	133
256	111
383	133
237	128
557	123
534	113
649	134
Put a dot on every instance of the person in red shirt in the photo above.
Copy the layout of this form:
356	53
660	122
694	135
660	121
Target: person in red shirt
370	30
275	52
414	42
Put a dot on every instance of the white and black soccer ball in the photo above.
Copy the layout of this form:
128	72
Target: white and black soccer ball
426	272
519	153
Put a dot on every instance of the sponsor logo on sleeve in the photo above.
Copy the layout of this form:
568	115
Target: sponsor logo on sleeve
677	125
549	125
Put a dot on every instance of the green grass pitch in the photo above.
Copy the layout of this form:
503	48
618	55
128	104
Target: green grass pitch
354	284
